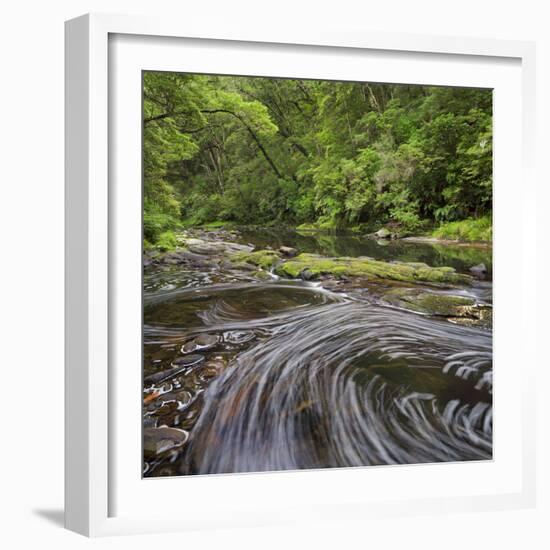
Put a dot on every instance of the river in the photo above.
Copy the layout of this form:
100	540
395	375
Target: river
249	373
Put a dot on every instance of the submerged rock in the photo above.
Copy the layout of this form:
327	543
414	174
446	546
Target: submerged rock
201	342
179	397
160	440
211	369
178	365
188	360
150	422
238	336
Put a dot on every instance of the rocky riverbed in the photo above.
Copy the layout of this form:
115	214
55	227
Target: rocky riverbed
231	318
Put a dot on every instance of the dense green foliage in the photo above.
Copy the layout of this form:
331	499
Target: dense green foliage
480	229
273	151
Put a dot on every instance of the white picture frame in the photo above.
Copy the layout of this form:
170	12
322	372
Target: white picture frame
104	53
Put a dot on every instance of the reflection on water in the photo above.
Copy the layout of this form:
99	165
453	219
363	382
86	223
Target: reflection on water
275	375
329	244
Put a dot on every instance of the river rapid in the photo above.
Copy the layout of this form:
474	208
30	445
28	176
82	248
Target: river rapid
249	372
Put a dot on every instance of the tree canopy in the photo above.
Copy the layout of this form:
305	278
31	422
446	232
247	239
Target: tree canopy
267	151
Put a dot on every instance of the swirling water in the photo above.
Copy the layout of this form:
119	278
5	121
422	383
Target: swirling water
301	377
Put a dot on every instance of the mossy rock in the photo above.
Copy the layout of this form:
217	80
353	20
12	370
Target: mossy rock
265	259
262	275
383	233
459	309
365	267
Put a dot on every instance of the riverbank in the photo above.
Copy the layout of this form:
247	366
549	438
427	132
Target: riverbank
344	263
469	232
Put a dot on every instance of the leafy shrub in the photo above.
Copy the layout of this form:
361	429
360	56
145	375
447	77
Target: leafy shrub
155	223
471	229
167	241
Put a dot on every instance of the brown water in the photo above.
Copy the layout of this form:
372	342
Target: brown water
277	374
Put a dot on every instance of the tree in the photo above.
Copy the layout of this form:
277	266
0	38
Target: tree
264	151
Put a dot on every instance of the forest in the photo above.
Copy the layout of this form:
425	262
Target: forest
317	274
253	151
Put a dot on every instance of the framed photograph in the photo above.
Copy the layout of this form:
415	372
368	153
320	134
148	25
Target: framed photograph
289	269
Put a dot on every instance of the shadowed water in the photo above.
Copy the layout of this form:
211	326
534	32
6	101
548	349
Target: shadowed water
300	377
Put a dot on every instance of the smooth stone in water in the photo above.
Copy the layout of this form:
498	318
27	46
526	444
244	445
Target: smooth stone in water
238	336
150	422
431	303
210	370
188	360
180	364
180	398
201	342
183	398
160	440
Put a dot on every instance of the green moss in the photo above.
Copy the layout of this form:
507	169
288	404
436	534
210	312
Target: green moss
472	229
364	267
265	259
262	275
441	304
445	305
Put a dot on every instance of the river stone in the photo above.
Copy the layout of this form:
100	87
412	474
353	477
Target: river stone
306	275
383	233
150	422
201	342
160	440
288	251
417	265
479	270
167	407
188	360
181	398
431	303
211	369
262	275
179	364
484	318
201	246
238	336
166	387
174	258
